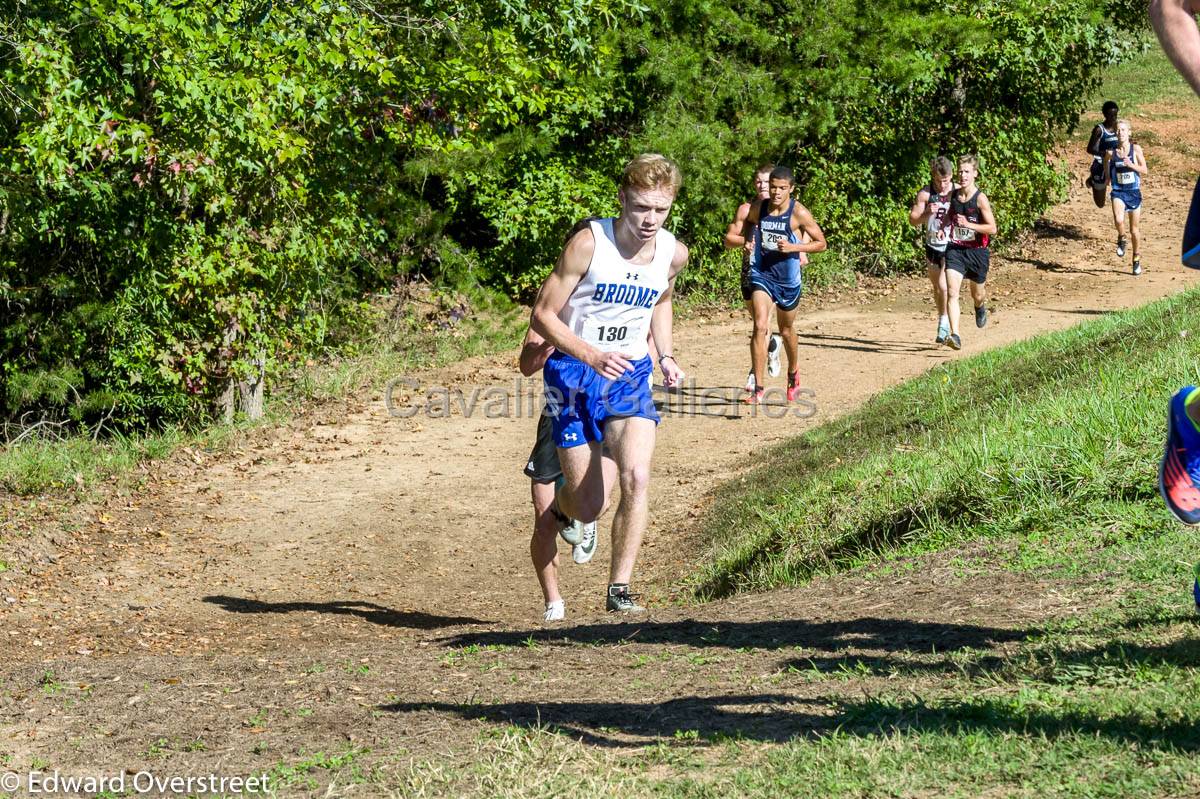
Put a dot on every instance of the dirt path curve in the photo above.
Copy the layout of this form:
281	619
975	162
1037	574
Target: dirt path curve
374	536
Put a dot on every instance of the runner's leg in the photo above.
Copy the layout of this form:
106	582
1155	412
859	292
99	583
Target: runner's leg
589	481
953	285
762	304
543	545
631	443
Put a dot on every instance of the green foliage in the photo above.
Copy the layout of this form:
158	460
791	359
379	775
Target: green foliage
193	192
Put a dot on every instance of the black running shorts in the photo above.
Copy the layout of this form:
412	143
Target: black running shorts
970	262
543	465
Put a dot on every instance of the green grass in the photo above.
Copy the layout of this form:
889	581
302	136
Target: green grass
1051	443
1143	80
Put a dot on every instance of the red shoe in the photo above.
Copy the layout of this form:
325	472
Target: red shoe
754	397
793	389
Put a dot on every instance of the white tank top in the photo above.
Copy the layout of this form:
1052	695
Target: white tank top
612	305
937	230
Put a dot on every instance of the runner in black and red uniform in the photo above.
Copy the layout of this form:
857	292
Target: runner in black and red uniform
971	226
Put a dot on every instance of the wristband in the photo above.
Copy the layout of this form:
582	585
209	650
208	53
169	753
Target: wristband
667	355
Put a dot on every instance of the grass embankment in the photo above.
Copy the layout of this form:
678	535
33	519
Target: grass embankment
1053	442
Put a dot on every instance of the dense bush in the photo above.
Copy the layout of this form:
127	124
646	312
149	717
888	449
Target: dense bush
192	193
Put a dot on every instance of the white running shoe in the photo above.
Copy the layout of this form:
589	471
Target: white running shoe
773	348
750	381
582	552
571	531
555	611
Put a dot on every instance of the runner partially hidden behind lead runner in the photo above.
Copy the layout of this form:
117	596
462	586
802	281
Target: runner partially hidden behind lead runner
612	285
967	255
932	210
1124	166
1103	139
773	233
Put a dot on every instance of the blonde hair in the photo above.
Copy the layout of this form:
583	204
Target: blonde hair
971	159
1124	123
650	171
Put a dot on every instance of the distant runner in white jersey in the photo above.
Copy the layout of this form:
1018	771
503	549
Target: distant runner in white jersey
932	210
612	285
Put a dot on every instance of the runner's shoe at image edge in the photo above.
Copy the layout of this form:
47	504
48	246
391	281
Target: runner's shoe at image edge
1179	470
555	611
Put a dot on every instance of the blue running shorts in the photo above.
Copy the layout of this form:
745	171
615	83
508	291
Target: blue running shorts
579	400
785	297
1132	199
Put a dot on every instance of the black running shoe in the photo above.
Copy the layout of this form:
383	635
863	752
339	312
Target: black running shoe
981	316
954	342
621	601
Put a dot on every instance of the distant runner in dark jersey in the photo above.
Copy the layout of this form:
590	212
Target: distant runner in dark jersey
734	241
1104	138
967	255
932	211
774	235
1124	167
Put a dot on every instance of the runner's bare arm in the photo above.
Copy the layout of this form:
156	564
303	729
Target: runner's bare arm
988	225
534	352
733	234
802	219
748	227
1180	38
661	322
571	267
1139	161
919	213
1093	146
1108	157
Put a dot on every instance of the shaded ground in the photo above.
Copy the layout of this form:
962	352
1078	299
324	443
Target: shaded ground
361	580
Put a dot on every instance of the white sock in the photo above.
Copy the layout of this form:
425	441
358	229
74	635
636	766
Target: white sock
943	320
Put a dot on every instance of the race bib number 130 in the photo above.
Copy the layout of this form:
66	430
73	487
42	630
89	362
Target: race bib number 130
605	336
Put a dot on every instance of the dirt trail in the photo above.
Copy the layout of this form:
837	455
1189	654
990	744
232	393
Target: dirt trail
392	541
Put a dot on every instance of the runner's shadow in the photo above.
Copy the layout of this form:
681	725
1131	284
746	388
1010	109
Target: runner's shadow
717	402
864	634
368	611
859	344
1051	266
780	717
759	717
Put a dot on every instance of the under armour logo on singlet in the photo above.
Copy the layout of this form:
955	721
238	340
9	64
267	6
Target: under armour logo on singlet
630	276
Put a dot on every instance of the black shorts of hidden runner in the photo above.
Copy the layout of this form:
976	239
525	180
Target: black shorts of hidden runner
543	465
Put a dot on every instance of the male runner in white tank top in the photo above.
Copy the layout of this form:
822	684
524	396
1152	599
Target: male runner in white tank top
611	286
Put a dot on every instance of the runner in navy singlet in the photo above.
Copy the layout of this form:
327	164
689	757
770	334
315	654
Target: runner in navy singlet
773	233
1104	138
